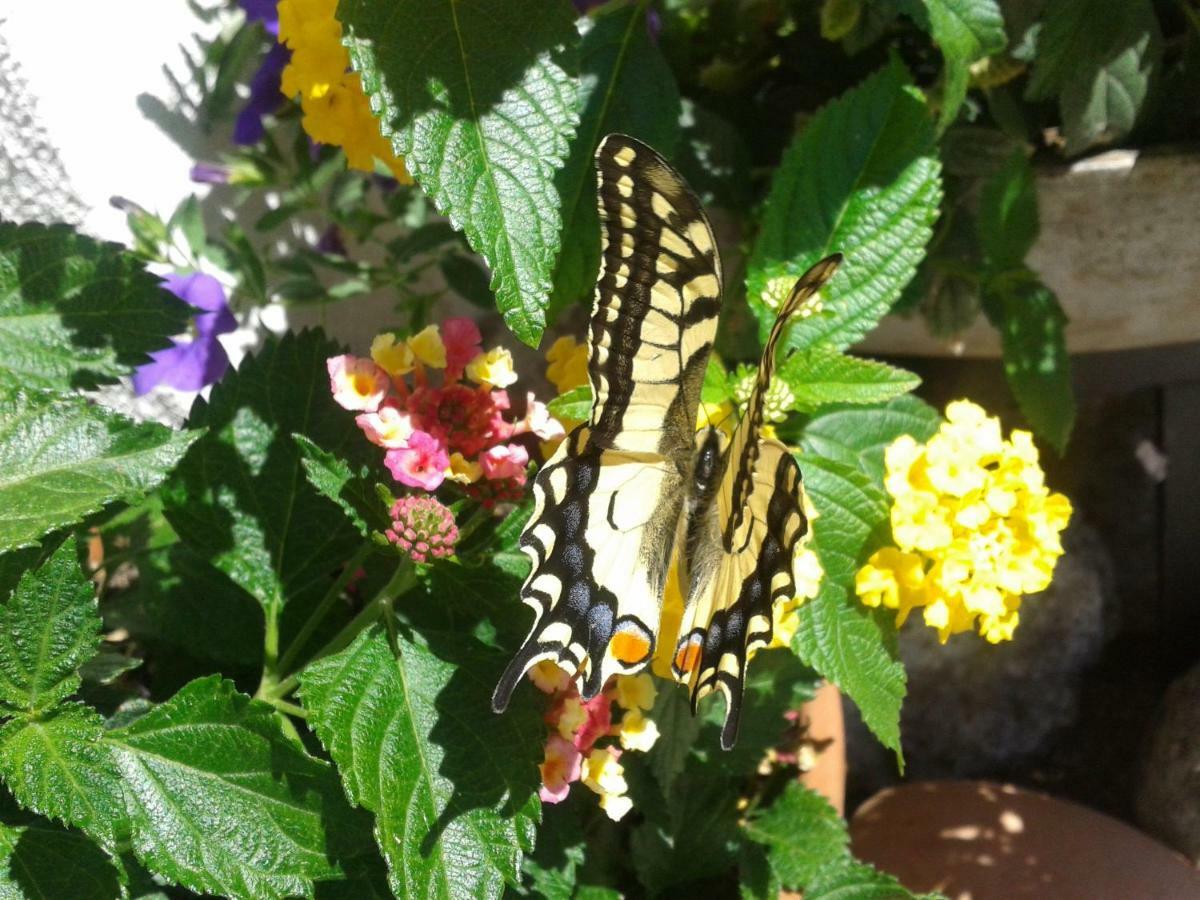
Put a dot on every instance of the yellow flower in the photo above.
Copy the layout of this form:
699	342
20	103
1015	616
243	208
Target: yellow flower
568	364
495	367
464	471
336	110
393	356
778	400
638	732
717	415
615	806
603	774
572	716
635	691
974	525
548	678
428	348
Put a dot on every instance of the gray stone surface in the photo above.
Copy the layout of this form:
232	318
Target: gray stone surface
1168	797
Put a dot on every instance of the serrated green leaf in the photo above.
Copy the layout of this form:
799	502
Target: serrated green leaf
353	489
625	86
57	766
482	124
858	881
821	376
48	629
75	312
1033	336
861	179
802	832
837	636
857	437
452	785
1097	58
220	800
1007	224
240	499
575	404
108	665
965	31
39	861
62	458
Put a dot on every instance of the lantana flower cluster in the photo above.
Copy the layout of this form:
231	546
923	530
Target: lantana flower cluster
436	402
587	737
975	527
336	110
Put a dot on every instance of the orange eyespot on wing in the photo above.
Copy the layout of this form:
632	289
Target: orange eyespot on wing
632	643
687	654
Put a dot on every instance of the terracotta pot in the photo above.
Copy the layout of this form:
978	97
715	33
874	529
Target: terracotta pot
980	840
825	735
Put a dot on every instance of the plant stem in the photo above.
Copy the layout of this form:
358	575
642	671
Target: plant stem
290	709
300	641
401	581
270	673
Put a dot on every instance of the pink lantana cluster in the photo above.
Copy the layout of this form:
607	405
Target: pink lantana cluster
423	528
437	403
573	749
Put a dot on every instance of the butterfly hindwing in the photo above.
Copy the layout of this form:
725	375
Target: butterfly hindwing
608	503
744	531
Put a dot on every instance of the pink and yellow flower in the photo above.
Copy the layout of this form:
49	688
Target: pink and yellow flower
356	384
560	767
505	461
390	426
420	464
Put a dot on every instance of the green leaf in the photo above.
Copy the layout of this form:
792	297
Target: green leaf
57	765
857	437
822	376
1097	58
220	800
837	636
482	123
1033	334
464	276
240	499
39	861
574	404
625	86
1007	224
452	785
858	881
862	179
75	312
181	603
966	31
802	832
678	731
353	490
48	629
62	458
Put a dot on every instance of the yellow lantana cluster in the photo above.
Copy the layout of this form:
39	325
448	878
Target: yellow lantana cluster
975	527
336	110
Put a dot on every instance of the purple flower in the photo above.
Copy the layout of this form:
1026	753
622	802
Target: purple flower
210	173
190	365
331	242
265	11
265	96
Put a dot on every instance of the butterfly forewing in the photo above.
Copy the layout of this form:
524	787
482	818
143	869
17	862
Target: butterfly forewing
608	503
